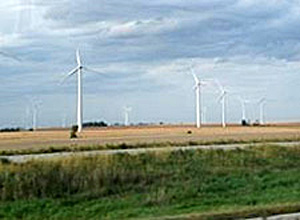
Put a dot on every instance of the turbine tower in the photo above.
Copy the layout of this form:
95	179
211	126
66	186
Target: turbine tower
197	87
243	104
34	117
223	100
261	104
35	104
78	69
126	115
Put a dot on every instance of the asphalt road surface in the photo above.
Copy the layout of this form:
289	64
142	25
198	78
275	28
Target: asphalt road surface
25	158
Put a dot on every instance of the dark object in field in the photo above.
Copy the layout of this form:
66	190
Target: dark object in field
256	123
95	124
4	161
245	123
10	129
74	131
189	132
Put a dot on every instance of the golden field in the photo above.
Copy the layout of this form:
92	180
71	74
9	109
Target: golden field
146	134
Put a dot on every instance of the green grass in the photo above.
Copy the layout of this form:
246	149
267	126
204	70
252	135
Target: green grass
214	184
74	148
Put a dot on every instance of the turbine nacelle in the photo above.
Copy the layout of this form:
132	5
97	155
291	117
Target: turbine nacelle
198	85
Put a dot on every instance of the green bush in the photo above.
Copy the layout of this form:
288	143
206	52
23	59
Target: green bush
73	132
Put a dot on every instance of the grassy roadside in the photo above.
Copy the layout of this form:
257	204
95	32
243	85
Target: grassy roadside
102	209
214	184
240	212
60	149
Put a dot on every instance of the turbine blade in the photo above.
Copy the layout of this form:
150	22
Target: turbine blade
261	100
219	85
72	72
11	56
78	57
195	78
221	96
93	71
127	109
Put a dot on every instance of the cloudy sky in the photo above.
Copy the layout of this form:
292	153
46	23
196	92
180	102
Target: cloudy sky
146	50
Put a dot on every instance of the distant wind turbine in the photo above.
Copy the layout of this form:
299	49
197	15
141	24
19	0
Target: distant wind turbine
261	104
78	69
35	104
243	104
26	116
197	87
223	100
126	115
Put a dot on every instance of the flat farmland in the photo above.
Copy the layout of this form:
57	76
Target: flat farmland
150	134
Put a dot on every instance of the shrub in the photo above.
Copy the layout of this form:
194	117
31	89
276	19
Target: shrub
74	130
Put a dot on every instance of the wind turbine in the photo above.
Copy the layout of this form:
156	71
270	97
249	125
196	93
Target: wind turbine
197	87
223	100
34	117
261	104
26	117
78	69
126	115
35	104
243	104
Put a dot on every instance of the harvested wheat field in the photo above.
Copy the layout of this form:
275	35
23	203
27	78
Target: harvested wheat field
147	134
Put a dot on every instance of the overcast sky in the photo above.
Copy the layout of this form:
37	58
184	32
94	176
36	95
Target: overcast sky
146	50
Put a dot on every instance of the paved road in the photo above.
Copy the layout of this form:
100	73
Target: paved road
25	158
293	216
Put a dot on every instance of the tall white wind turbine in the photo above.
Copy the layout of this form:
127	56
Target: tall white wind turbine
35	104
223	100
127	110
34	117
243	105
78	69
261	104
26	116
197	87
